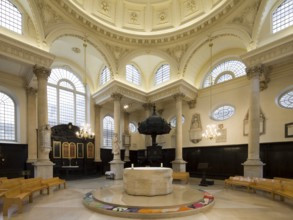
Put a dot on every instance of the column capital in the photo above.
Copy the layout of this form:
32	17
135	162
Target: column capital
116	96
31	91
191	104
261	72
179	96
254	71
41	72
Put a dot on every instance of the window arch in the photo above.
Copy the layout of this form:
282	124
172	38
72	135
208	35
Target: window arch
108	131
105	75
285	100
10	17
132	127
132	74
66	98
173	121
7	118
225	71
223	112
162	74
283	16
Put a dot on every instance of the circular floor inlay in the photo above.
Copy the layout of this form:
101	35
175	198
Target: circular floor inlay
183	201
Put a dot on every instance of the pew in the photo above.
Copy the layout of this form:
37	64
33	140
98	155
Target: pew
181	176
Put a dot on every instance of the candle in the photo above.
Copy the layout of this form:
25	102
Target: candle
161	164
132	165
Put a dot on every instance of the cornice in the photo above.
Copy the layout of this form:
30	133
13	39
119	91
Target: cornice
269	54
25	53
168	91
163	93
131	39
104	94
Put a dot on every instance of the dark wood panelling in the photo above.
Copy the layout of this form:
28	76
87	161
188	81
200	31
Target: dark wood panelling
12	159
278	158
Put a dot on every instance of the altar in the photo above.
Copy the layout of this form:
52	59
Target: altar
147	181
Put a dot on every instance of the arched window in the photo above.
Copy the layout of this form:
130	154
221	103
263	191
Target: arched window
286	99
108	131
7	118
225	71
173	121
132	74
105	76
66	98
10	17
223	112
283	16
162	74
132	127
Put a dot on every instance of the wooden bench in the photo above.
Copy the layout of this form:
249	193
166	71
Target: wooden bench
239	181
267	185
181	176
14	196
55	181
33	185
286	190
2	178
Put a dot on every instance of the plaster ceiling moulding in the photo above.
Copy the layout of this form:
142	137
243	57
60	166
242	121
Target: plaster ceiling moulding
162	16
190	10
105	10
134	16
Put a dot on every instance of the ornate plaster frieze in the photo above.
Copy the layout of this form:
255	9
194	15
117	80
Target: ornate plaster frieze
114	87
136	18
186	91
49	16
25	53
169	91
247	16
269	54
178	51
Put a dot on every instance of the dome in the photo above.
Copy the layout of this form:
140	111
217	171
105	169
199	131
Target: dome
149	17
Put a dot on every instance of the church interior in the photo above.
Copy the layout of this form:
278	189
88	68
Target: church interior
99	93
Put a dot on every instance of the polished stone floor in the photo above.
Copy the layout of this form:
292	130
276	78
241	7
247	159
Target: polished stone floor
236	204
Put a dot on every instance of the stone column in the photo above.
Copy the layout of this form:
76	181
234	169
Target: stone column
117	165
253	166
97	134
126	135
32	125
43	166
179	164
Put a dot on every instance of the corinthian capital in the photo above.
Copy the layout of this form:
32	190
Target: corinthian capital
117	96
254	71
261	72
41	72
179	96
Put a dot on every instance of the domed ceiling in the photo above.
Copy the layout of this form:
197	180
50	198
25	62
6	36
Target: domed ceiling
148	17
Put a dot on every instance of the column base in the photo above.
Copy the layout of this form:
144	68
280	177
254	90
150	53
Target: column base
43	169
253	168
126	159
117	166
179	165
31	160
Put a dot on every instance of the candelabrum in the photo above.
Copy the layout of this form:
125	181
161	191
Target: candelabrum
211	132
85	132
